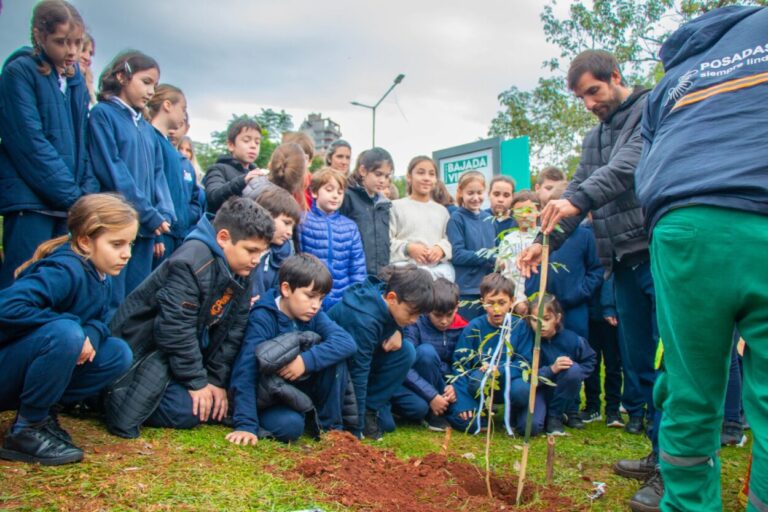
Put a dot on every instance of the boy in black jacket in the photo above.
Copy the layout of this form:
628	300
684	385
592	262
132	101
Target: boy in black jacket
231	173
185	324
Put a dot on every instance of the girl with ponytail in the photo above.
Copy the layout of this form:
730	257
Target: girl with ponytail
55	346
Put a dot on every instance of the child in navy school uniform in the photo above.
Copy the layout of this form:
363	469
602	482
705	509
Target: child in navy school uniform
286	213
55	346
127	158
373	312
566	360
500	194
331	236
319	371
167	111
43	118
470	231
425	395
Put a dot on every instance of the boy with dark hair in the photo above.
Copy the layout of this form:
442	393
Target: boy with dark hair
525	211
424	394
231	173
318	370
286	213
550	180
477	342
373	312
185	324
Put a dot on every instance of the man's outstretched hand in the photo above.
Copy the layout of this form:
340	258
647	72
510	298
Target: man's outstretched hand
528	261
555	211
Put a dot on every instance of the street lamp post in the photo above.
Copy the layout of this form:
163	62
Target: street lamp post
398	79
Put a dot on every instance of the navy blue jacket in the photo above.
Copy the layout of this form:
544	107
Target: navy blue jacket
704	123
574	284
265	322
502	226
61	286
335	240
364	314
565	343
475	346
43	158
469	233
264	276
424	332
127	159
603	302
182	186
372	218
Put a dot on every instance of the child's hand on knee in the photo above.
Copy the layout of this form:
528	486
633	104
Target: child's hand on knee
241	437
394	343
466	415
439	405
202	402
293	370
561	363
87	354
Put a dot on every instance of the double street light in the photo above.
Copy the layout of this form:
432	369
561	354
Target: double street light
398	79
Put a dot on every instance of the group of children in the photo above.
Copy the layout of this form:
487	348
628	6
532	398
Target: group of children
270	300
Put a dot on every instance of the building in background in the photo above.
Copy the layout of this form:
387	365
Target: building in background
322	130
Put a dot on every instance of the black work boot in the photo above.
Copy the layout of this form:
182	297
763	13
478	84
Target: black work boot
648	497
639	469
37	443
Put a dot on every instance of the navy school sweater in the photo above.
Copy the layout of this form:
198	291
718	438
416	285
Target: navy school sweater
61	286
364	314
182	186
127	159
265	275
502	226
266	322
565	343
43	157
469	233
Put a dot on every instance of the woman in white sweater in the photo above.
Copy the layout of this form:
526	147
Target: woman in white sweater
417	223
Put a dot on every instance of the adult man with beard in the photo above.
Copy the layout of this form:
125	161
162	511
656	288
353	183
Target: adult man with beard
604	185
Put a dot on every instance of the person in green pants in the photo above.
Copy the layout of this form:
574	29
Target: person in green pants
703	183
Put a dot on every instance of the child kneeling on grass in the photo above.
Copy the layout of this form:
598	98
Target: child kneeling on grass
373	312
425	394
55	346
318	371
185	324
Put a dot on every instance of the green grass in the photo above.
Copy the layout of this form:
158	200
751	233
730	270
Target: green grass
199	470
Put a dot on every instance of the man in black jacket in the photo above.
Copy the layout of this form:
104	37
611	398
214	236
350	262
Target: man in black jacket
604	185
185	324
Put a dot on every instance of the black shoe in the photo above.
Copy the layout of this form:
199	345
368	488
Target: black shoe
732	434
38	444
554	426
437	423
573	420
588	416
648	497
639	469
56	429
371	428
635	425
614	420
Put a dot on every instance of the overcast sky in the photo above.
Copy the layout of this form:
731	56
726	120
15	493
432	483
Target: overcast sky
238	56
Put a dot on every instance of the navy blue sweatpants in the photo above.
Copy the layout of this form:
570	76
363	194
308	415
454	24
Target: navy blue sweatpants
39	369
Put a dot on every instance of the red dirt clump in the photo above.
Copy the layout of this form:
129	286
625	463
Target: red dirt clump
364	477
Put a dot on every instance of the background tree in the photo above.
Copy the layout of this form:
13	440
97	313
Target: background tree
633	31
272	123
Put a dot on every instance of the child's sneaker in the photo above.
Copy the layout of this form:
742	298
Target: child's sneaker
732	434
554	426
614	420
573	420
437	423
371	428
588	416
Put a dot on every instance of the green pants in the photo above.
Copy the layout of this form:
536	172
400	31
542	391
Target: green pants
710	269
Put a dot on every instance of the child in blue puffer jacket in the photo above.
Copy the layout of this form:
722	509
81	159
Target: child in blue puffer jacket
332	237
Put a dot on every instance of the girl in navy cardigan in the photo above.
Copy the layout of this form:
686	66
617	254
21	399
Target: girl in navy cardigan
43	116
470	231
168	111
55	346
127	158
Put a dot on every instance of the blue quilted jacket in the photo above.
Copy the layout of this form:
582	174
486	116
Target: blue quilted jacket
334	239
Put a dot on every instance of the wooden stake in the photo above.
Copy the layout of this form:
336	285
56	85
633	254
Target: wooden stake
534	367
488	444
446	440
550	459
